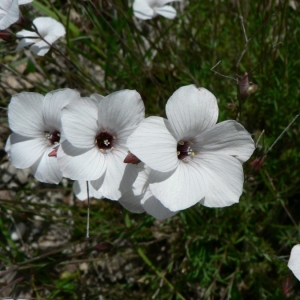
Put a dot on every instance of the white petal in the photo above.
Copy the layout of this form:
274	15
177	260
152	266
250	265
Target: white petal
179	189
80	164
53	104
154	207
46	169
120	110
49	28
9	13
40	48
294	261
8	147
142	10
166	11
228	137
119	177
131	199
22	2
24	152
25	114
154	145
79	122
223	176
191	110
80	190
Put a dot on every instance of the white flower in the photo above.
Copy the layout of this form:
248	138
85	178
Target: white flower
35	122
48	31
80	190
140	199
95	131
192	158
294	261
148	9
9	12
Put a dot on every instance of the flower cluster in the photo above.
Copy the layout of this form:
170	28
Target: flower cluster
176	162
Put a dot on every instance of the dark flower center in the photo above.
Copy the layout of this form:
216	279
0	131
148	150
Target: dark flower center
104	140
184	150
53	137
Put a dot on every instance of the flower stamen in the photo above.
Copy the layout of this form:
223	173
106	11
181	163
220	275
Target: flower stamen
184	150
104	141
53	137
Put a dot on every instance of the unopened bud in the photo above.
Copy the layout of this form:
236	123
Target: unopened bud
131	159
287	285
257	163
6	36
103	247
53	153
246	87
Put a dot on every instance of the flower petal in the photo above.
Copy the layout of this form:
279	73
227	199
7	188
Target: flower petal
24	151
22	2
226	138
46	169
40	48
142	10
79	122
80	190
154	207
191	110
80	164
120	110
53	104
153	144
119	177
294	261
25	114
164	2
179	189
49	28
9	13
166	11
131	199
223	176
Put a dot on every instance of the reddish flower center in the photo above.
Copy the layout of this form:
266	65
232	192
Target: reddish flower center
104	140
53	137
184	150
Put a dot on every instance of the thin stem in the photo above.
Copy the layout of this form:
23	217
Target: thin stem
88	212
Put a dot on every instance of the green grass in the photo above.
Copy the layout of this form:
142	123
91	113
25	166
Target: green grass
239	252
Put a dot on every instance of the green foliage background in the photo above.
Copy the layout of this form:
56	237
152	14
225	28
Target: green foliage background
238	252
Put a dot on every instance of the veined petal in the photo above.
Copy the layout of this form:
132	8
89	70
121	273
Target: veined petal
224	178
22	2
119	177
166	11
24	151
228	137
49	28
142	10
40	48
80	164
46	169
120	110
153	143
79	122
80	190
179	189
191	110
154	207
25	114
294	261
9	13
131	199
53	104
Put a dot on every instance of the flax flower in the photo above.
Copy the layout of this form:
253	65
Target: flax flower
9	12
192	158
95	131
35	122
148	9
48	31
